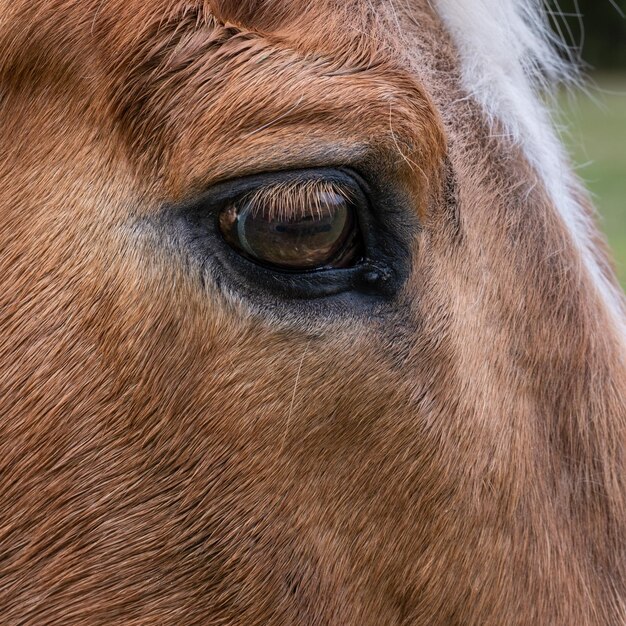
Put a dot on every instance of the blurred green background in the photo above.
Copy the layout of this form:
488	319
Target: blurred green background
594	120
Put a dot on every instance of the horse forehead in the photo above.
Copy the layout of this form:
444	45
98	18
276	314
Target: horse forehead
407	34
267	13
374	23
76	28
364	21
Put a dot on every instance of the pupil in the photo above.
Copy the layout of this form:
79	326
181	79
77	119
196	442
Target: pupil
303	231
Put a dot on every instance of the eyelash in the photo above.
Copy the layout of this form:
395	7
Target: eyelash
293	199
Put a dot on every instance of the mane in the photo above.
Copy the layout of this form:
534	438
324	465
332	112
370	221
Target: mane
510	57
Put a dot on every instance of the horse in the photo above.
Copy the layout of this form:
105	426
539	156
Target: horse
305	319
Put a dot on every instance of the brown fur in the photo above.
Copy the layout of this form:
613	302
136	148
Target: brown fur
169	457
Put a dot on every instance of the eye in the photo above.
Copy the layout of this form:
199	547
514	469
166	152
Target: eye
325	238
294	228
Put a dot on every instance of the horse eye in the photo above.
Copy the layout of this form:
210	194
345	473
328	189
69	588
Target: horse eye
323	235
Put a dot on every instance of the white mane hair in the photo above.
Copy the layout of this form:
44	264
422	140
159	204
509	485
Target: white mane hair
509	54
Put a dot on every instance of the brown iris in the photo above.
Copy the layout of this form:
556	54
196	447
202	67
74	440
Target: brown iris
294	229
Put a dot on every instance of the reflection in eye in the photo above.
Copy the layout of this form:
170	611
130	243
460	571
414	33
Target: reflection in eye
302	226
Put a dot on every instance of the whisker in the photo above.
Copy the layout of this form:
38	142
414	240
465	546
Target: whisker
293	395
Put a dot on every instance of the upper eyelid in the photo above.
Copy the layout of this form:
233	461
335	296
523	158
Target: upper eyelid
217	196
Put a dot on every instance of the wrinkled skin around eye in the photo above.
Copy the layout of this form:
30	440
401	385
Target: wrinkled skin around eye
302	238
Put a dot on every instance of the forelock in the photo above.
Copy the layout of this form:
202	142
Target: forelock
508	54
